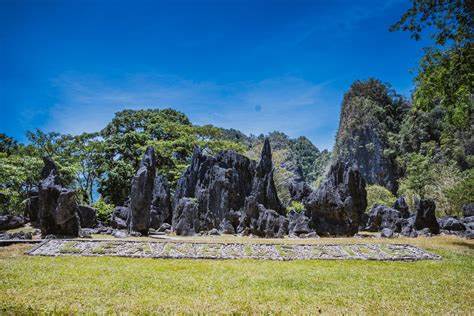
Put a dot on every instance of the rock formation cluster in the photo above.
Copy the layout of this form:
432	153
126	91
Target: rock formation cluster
231	194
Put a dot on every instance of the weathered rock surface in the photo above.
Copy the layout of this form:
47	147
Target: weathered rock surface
269	224
381	216
402	206
58	209
425	216
160	210
32	208
119	217
263	186
186	221
219	186
298	223
141	193
87	216
11	222
337	205
451	224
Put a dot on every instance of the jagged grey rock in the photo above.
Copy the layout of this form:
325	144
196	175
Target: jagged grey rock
141	194
336	207
381	216
87	216
119	217
298	223
58	209
269	224
425	216
402	206
160	211
450	223
185	217
263	186
11	222
219	186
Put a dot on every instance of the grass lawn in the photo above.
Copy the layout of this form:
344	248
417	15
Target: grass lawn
126	285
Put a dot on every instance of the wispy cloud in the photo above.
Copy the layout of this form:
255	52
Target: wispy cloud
292	105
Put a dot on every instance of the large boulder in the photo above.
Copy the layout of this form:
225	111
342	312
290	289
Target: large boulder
185	217
450	223
269	224
87	216
141	194
160	211
11	222
381	216
425	216
219	186
402	206
298	223
58	209
336	207
119	217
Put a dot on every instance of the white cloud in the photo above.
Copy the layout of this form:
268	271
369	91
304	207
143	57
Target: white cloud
292	105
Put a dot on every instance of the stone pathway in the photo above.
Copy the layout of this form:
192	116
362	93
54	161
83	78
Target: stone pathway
177	250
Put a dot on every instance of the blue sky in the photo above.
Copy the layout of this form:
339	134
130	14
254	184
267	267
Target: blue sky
257	66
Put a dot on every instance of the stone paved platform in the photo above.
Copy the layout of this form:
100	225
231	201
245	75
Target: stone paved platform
177	250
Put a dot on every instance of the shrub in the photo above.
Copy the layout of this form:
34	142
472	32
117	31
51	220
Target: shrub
104	210
462	192
377	194
296	206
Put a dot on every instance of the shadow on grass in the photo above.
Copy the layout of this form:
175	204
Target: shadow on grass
467	245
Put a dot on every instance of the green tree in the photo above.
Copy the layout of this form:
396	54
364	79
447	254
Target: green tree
377	194
418	175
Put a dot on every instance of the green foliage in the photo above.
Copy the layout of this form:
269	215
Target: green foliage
450	21
377	194
168	131
296	206
104	210
418	175
461	192
19	174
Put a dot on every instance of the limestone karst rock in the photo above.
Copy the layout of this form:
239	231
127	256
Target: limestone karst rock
219	186
186	217
32	208
369	114
141	194
425	216
381	216
298	223
402	206
119	217
9	221
263	186
58	209
336	207
451	224
160	210
87	216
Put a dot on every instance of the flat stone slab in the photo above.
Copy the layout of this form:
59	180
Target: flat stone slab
178	250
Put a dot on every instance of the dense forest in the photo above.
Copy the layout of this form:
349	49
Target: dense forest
422	146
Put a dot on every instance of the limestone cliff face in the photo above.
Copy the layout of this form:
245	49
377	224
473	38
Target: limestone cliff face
370	116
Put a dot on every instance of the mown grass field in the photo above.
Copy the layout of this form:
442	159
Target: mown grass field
126	285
